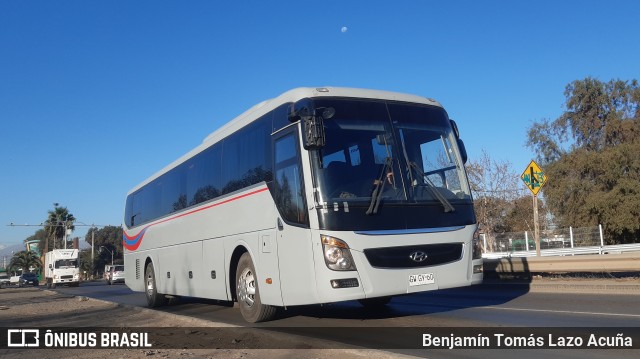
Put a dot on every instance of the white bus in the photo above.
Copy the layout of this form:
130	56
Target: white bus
320	195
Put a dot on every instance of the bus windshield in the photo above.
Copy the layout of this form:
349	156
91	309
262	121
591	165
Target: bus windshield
381	153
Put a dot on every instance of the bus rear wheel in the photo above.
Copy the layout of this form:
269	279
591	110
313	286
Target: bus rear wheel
248	293
154	299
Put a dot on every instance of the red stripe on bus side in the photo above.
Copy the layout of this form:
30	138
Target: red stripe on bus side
213	205
192	212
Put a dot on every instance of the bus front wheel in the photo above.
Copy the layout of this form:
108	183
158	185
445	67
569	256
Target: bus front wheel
154	299
248	293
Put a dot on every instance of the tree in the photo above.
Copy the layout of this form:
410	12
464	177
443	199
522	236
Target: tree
495	187
501	203
109	237
520	216
84	256
58	222
494	184
24	260
590	153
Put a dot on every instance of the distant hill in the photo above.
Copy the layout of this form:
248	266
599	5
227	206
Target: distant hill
6	252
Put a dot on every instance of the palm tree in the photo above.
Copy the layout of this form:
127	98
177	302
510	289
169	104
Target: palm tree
24	260
56	225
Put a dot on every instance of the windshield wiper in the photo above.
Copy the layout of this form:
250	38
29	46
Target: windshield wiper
432	188
376	196
448	207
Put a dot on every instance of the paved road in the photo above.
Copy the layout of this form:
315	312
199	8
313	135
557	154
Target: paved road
478	306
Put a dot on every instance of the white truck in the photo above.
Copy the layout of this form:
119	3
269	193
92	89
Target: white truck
61	266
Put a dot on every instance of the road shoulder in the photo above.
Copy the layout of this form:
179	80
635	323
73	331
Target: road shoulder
33	307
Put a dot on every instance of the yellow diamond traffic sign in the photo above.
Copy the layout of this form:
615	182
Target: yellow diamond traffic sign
534	177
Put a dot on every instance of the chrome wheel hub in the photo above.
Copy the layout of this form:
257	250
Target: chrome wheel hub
149	285
247	287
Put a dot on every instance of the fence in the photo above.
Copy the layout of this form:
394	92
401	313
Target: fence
567	241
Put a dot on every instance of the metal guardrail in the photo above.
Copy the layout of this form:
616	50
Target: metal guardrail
557	241
617	248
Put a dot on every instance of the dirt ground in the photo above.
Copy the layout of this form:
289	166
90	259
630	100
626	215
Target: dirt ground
32	307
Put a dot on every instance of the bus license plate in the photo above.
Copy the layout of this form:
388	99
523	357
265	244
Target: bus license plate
421	279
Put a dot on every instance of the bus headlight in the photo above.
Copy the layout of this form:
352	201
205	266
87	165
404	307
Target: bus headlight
337	255
476	245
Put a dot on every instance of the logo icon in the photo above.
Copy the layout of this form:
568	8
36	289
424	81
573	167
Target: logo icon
20	338
418	256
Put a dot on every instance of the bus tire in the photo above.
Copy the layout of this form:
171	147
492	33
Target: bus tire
154	299
248	293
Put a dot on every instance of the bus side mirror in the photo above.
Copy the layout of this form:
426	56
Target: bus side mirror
463	151
312	126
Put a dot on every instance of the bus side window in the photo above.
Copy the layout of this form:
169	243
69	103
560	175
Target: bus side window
289	193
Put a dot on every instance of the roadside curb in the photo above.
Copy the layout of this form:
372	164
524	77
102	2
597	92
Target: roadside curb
629	287
585	263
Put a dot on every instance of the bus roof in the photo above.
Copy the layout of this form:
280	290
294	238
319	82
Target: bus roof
290	96
300	93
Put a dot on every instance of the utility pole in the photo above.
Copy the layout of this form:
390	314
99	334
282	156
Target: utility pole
93	237
536	225
64	236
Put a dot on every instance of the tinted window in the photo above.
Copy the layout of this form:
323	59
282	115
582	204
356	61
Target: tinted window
289	192
240	160
145	204
281	117
245	156
173	190
333	157
203	175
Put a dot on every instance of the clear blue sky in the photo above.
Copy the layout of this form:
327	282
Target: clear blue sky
95	96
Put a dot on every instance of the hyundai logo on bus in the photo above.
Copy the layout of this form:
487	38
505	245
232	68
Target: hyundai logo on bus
418	256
